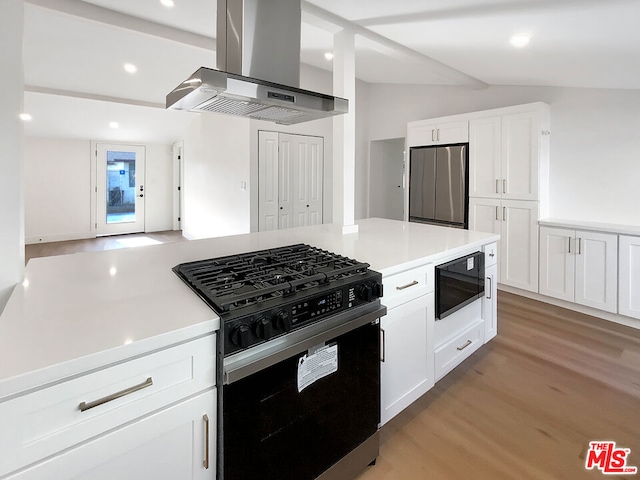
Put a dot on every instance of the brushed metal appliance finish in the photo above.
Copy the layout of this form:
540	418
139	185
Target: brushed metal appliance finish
258	60
260	39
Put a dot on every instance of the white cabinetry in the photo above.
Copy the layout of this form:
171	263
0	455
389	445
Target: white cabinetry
629	295
406	370
177	442
489	301
441	132
132	403
579	266
516	222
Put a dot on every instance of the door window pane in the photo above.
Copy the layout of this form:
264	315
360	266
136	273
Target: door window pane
121	187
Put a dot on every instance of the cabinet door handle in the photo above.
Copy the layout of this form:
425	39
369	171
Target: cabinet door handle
408	285
490	288
433	133
438	137
469	342
504	185
504	214
497	185
205	462
569	238
84	406
497	218
579	246
384	345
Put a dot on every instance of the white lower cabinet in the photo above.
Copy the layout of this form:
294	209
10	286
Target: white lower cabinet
517	223
579	266
629	264
173	443
489	302
406	371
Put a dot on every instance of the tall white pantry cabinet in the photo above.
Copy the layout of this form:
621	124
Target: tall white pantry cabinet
508	180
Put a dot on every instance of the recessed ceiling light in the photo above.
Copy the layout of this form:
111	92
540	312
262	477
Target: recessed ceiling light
167	3
328	56
114	124
25	117
520	40
130	67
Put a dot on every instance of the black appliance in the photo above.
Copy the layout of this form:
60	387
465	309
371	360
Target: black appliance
439	185
458	283
298	361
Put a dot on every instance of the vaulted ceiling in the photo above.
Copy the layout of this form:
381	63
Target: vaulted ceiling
74	50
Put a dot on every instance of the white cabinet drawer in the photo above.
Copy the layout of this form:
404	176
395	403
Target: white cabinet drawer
408	285
490	254
49	420
457	349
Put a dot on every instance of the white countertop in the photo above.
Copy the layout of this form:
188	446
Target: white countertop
591	226
83	311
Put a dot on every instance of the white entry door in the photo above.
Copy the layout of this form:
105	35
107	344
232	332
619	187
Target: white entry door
290	180
119	189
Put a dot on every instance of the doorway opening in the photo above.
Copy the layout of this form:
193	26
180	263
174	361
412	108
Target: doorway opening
387	178
120	171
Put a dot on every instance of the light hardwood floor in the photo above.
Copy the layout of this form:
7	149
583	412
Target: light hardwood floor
524	406
97	244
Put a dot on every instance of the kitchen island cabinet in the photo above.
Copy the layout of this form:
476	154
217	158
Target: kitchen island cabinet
82	327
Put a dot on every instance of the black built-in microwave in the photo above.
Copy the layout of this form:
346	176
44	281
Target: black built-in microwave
459	283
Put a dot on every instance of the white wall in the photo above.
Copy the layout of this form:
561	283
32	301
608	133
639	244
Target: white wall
318	80
595	139
158	187
11	140
58	189
216	161
57	199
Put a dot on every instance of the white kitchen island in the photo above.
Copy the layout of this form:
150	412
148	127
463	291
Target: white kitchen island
86	326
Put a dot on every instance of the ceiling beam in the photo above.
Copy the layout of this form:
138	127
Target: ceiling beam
95	13
434	65
92	96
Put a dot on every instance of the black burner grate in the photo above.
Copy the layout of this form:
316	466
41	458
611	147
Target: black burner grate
237	281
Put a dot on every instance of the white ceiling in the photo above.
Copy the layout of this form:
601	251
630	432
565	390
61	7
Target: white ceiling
77	48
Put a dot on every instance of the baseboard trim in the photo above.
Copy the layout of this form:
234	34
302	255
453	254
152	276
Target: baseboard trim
58	238
594	312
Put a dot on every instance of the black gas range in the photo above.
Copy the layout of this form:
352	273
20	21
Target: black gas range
298	362
269	293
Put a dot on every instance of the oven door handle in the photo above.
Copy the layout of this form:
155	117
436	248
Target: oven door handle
243	364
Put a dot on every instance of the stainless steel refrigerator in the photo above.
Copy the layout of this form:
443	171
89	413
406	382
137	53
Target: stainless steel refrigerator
438	185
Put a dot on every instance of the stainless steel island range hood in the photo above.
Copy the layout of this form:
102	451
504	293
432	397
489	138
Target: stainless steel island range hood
258	61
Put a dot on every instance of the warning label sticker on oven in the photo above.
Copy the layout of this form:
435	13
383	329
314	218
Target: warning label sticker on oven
321	363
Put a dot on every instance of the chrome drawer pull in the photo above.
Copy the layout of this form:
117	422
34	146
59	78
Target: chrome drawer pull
384	345
101	401
490	288
469	342
205	463
407	285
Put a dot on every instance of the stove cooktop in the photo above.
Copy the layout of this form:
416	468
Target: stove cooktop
263	294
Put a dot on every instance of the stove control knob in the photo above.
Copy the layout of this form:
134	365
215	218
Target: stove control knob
365	292
282	321
240	336
262	328
378	290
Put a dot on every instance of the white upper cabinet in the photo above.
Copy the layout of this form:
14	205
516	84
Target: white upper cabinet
424	133
521	138
484	157
508	154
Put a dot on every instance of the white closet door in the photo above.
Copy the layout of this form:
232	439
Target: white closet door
286	156
299	182
315	178
268	180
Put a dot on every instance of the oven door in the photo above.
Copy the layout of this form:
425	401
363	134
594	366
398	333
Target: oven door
275	427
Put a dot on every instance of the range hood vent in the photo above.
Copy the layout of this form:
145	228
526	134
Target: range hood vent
258	60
